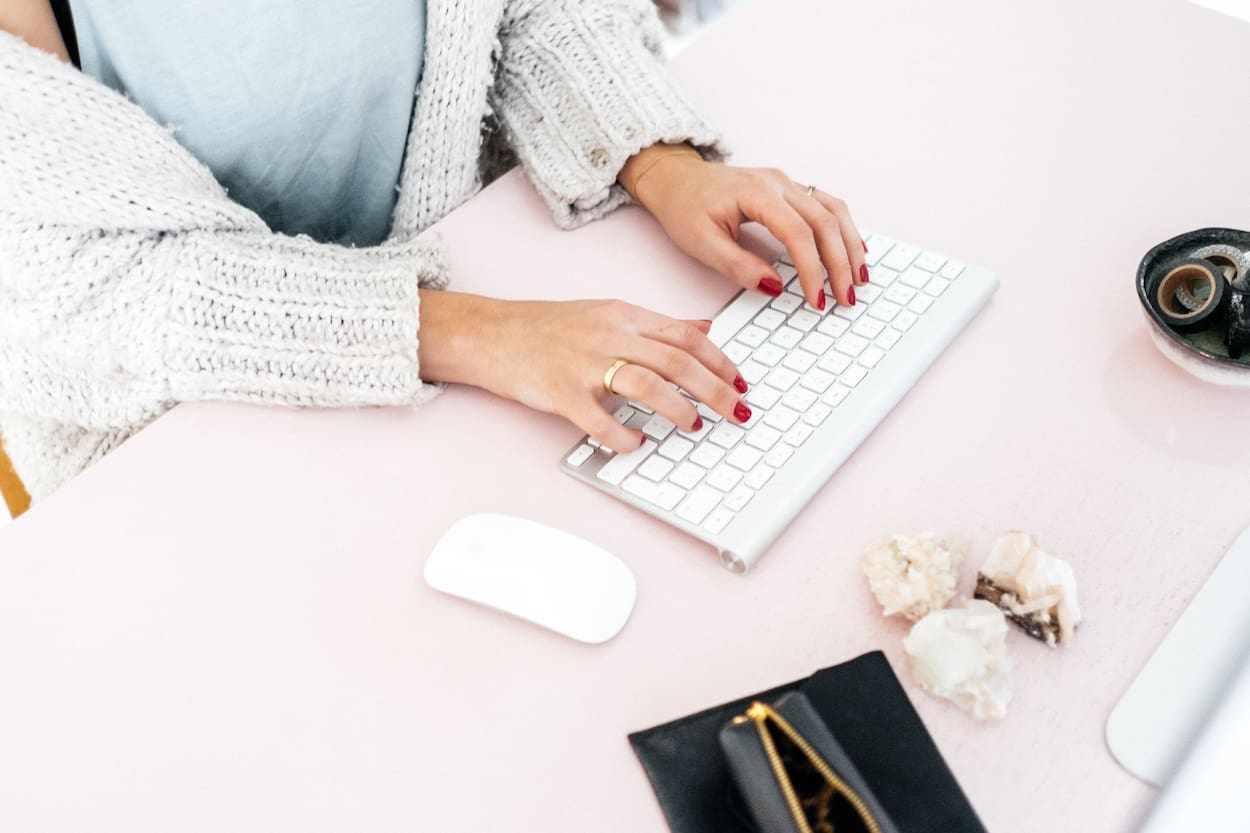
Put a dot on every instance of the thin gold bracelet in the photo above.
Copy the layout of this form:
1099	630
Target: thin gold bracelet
685	151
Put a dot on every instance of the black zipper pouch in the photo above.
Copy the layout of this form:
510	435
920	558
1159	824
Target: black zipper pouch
866	711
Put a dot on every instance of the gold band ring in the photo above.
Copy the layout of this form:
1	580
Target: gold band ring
611	374
811	189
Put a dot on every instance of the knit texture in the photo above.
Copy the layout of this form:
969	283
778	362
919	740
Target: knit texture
129	281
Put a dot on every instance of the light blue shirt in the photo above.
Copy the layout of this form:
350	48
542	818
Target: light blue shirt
300	109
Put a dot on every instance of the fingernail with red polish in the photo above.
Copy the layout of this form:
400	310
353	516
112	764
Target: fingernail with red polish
643	441
741	412
865	245
770	286
850	295
698	424
820	300
740	384
863	272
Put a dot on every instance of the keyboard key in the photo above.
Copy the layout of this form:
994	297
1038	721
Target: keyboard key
878	246
900	257
782	379
580	455
785	269
779	455
695	507
752	336
850	313
930	262
657	428
818	343
834	396
769	319
888	339
952	270
664	495
799	399
623	414
782	418
834	363
882	276
707	455
833	327
725	435
920	304
656	468
853	376
707	413
871	357
756	415
884	311
760	475
800	361
762	397
737	351
817	414
868	293
718	520
744	458
798	435
900	295
638	406
787	337
869	328
937	286
817	381
764	437
676	448
593	443
905	319
804	320
739	498
623	465
769	354
787	303
851	345
915	278
752	371
724	477
687	475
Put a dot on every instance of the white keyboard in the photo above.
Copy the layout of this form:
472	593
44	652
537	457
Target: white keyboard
820	382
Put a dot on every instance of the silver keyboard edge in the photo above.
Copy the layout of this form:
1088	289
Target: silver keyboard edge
793	487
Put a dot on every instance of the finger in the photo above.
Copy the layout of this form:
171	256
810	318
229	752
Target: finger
694	341
829	241
717	247
703	325
642	384
780	218
682	369
598	423
856	248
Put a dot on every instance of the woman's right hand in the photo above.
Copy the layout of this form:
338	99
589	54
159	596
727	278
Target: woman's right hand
552	356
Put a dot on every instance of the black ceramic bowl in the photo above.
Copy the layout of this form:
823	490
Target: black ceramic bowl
1202	353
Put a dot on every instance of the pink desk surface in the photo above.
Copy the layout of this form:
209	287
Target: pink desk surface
223	626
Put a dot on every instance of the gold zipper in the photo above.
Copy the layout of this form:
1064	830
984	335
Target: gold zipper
760	714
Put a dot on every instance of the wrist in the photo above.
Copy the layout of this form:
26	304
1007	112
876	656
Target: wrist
453	340
652	165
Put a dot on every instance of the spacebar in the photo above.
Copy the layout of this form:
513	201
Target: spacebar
737	315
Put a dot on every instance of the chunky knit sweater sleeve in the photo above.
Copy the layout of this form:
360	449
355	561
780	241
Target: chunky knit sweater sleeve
595	63
129	280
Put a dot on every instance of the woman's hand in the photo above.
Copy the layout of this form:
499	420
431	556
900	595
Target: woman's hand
703	205
552	356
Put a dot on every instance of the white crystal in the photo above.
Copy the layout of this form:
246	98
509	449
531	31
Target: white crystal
912	575
960	655
1038	585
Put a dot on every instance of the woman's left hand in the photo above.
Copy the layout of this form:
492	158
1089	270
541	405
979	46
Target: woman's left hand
702	206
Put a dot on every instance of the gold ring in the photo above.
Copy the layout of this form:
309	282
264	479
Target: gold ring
611	374
810	189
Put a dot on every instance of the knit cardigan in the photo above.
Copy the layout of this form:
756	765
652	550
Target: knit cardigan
129	281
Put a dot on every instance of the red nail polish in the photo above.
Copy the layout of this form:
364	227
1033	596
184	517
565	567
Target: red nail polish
706	321
820	300
865	245
863	272
850	294
770	286
740	384
741	412
698	424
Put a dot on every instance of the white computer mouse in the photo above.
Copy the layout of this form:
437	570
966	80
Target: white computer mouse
534	572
